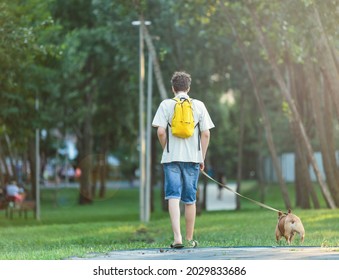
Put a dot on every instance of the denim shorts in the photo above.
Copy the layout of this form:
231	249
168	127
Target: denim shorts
181	181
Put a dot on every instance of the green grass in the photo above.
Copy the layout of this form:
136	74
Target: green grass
67	229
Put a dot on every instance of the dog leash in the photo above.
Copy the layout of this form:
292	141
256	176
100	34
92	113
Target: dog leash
229	189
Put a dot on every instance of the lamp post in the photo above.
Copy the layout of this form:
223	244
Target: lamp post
144	212
37	166
149	137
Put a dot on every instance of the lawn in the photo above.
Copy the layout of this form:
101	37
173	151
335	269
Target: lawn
67	229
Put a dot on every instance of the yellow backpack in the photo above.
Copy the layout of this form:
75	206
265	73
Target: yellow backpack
183	121
183	124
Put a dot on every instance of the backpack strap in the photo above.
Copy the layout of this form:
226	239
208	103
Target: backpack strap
199	136
167	127
181	98
167	137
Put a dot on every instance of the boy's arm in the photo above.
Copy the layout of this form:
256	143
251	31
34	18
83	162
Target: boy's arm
162	136
205	139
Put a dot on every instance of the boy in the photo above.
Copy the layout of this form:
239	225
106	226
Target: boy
182	158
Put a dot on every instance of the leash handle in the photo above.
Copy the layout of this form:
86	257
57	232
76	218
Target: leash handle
229	189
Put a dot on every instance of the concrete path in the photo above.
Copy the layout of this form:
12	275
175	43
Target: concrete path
223	253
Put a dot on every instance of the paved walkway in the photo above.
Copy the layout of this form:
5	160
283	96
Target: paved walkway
223	253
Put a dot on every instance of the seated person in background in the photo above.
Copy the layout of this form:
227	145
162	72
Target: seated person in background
13	191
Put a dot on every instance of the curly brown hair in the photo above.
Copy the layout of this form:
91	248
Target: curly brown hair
181	81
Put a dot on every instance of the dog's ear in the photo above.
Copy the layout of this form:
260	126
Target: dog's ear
289	211
279	213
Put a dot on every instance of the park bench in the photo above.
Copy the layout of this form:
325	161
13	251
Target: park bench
20	207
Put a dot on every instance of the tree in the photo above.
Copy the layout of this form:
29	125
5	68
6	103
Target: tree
92	46
266	122
79	58
263	40
25	53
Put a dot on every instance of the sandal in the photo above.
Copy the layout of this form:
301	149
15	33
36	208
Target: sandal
177	246
192	243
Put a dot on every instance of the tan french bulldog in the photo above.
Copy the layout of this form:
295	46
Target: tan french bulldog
289	224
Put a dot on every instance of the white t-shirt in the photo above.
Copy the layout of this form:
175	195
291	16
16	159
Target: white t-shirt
183	150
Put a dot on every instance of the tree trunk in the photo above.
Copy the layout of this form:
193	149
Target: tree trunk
240	148
329	66
329	117
260	169
32	165
266	122
327	60
94	174
295	114
303	183
6	176
103	167
11	157
157	70
323	121
296	81
2	177
86	144
3	180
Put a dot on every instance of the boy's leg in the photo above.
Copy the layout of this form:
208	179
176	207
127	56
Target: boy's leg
190	213
189	195
173	187
174	211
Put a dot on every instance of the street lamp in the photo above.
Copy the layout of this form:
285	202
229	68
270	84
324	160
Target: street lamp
37	166
138	22
149	136
144	205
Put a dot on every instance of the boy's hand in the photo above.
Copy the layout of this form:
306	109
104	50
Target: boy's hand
202	166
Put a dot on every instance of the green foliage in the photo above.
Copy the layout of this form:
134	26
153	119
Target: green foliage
80	59
96	63
26	53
